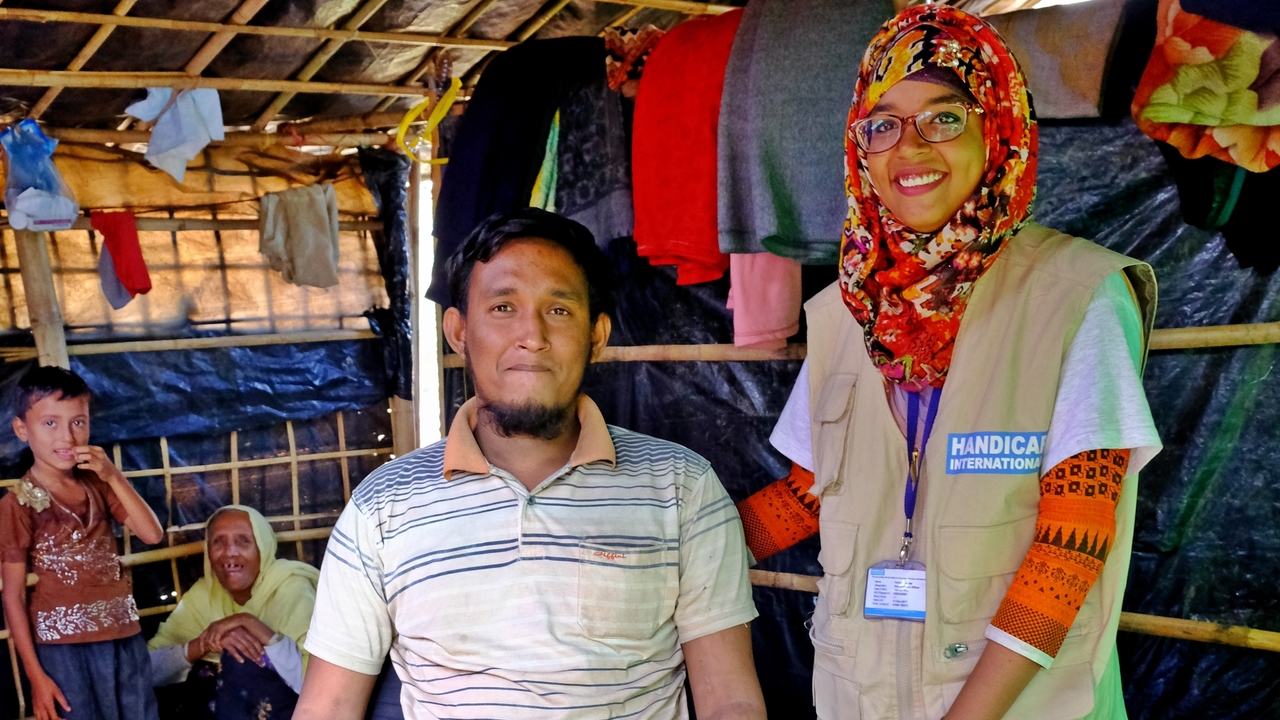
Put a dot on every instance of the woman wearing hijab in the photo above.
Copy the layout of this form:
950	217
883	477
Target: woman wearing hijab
234	643
970	420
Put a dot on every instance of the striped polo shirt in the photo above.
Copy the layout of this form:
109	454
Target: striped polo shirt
570	601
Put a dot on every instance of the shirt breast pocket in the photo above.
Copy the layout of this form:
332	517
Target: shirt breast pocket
626	592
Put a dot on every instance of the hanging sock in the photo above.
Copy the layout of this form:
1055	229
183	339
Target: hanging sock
117	295
187	123
120	237
299	234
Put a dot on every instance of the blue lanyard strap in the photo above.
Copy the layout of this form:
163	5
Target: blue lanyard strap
914	455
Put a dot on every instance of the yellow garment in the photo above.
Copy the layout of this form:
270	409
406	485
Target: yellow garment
283	595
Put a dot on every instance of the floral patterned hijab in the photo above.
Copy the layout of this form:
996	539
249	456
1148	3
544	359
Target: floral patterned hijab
909	289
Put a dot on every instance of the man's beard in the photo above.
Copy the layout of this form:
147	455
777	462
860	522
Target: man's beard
542	422
529	419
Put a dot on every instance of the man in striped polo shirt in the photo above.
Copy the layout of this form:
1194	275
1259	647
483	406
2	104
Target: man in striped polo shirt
537	563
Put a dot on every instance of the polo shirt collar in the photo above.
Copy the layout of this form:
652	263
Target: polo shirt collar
462	452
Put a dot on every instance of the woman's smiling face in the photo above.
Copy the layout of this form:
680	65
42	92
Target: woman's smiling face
922	183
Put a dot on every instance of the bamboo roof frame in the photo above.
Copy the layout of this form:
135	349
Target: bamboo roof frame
318	60
222	33
405	38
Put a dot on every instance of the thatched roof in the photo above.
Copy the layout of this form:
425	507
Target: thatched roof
191	47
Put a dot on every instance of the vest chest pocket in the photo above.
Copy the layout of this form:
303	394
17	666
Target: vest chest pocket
832	416
626	592
978	565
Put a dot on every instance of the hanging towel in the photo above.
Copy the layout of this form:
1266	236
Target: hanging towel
593	182
299	234
786	98
765	297
185	126
117	295
544	188
1212	89
502	137
120	237
674	148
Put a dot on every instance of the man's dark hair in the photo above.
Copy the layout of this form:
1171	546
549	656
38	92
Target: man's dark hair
42	382
503	228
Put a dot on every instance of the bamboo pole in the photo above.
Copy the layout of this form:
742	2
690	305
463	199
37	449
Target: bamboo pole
155	224
296	338
1215	336
168	504
680	6
680	353
786	581
260	462
402	38
182	81
195	548
346	468
305	517
86	53
458	29
524	32
214	45
1129	622
239	139
318	60
1162	339
536	23
367	121
42	299
1200	631
235	467
293	479
115	453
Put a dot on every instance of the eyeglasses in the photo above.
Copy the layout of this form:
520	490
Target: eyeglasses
936	124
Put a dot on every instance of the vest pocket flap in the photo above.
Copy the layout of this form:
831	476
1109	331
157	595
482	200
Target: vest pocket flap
839	543
969	553
836	398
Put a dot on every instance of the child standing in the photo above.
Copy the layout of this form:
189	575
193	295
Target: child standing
88	656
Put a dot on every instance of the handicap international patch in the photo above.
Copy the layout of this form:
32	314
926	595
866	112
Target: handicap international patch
995	453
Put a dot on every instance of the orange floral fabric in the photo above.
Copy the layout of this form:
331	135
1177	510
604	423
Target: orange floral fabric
780	515
1074	532
1212	89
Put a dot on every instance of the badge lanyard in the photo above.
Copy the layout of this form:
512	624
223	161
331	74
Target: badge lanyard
914	455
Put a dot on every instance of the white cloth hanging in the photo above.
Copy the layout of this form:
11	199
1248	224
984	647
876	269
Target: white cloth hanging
184	127
299	234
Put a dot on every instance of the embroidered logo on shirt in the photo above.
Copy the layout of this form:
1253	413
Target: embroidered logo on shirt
994	453
610	555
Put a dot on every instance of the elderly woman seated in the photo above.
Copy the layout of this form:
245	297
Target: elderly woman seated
232	649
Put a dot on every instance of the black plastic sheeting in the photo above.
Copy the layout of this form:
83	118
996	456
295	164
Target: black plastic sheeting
386	174
212	391
1208	531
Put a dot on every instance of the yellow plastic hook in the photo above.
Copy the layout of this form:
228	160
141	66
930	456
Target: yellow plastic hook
437	114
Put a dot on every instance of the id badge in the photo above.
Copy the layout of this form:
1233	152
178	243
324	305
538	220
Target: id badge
895	591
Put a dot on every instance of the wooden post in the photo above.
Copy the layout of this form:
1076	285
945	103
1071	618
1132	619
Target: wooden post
42	299
413	233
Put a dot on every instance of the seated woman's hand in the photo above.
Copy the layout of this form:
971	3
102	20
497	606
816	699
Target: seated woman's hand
242	645
250	623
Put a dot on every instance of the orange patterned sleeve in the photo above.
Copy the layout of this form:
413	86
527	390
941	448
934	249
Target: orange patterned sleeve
780	515
1074	532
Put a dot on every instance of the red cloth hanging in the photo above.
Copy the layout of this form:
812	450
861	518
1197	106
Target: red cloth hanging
674	148
120	236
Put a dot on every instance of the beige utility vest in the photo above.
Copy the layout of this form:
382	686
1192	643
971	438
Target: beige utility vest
973	527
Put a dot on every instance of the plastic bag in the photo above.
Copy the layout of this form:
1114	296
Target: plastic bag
35	194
